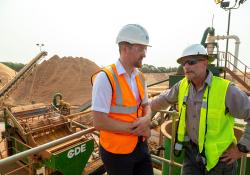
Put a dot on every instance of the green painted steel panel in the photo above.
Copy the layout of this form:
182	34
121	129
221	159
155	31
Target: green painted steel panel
177	170
18	147
72	160
247	166
215	70
174	79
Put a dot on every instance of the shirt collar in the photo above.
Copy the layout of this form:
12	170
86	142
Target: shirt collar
208	80
120	69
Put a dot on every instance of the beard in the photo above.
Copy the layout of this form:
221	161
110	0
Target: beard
189	75
138	63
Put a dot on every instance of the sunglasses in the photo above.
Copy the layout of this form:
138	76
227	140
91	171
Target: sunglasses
191	62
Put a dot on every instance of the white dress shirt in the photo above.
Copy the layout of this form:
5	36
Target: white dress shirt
102	91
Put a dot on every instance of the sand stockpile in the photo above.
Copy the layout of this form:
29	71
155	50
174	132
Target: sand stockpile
69	76
6	74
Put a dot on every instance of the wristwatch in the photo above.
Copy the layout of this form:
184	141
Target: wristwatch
242	148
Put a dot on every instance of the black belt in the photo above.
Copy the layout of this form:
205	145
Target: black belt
140	138
193	144
200	158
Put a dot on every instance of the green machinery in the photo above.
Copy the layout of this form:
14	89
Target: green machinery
71	160
31	126
36	126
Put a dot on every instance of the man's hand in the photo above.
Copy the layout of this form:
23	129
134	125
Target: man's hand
147	133
141	126
231	154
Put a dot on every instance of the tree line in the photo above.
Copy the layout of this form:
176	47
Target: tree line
147	68
15	66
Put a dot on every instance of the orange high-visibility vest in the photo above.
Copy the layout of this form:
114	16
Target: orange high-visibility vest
124	108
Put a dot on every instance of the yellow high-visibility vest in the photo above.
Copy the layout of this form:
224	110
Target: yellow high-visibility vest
216	125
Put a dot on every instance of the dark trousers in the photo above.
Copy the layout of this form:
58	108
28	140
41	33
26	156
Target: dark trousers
136	163
192	167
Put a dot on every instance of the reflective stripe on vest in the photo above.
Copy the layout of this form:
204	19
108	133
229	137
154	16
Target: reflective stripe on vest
182	99
118	108
143	99
216	129
203	118
118	87
124	108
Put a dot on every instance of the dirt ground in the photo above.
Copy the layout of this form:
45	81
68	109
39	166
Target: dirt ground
156	77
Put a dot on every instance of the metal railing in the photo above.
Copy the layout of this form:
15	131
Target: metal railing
241	68
170	161
43	147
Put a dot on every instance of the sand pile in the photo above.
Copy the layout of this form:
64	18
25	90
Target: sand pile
6	74
69	76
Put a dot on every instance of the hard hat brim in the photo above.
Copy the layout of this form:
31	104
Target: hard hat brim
209	58
132	42
144	44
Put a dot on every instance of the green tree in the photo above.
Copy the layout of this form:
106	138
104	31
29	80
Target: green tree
15	66
162	69
146	68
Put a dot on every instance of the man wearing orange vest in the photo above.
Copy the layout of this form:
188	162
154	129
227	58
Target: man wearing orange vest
120	107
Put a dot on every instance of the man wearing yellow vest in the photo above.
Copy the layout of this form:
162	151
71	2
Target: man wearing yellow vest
207	106
120	107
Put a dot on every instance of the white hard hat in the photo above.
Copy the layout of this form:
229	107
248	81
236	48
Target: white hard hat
194	50
133	34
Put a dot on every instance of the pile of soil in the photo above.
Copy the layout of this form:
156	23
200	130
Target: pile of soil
68	76
6	74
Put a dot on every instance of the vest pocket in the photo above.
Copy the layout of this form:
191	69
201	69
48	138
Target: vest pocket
213	121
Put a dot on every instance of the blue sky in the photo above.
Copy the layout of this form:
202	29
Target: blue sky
82	28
